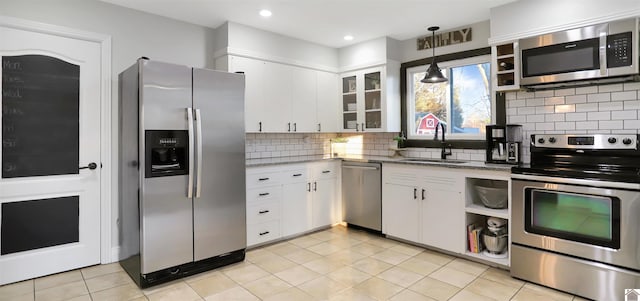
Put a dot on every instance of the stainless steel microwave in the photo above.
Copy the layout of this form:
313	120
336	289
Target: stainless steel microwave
590	52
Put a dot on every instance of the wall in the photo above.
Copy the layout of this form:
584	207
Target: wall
606	109
134	34
530	17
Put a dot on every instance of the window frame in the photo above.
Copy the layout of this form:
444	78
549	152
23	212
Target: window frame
498	110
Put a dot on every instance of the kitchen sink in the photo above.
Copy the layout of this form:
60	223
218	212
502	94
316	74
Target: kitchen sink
450	161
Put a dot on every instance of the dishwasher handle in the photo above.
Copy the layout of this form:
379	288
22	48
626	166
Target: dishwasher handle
361	167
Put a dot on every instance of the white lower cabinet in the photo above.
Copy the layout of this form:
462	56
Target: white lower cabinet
290	199
423	205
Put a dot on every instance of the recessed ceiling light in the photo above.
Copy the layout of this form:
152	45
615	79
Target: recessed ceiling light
348	37
265	13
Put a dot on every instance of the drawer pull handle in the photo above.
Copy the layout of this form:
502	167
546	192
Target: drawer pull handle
297	175
263	194
326	171
264	233
423	191
263	211
263	179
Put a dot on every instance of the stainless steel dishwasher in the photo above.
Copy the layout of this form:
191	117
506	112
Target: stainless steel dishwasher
362	194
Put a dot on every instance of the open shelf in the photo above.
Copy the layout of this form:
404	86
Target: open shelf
500	261
482	210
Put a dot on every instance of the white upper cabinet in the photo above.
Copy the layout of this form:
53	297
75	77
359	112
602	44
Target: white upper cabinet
281	98
505	66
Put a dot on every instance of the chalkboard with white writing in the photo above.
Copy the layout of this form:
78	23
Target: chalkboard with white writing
40	116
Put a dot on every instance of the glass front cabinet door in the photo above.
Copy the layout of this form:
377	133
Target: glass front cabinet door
363	101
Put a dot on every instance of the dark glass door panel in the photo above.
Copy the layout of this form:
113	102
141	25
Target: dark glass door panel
40	116
35	224
577	217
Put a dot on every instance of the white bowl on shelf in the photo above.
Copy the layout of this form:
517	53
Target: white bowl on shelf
351	107
493	197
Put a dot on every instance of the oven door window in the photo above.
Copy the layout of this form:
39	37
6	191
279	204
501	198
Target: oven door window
582	218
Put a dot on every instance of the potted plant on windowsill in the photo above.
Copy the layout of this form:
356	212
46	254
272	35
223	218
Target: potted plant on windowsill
398	142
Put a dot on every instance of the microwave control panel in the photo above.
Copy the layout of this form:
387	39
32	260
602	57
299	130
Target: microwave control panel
619	50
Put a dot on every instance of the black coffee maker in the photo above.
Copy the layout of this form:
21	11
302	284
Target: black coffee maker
504	143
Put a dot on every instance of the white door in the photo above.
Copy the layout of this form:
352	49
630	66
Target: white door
50	208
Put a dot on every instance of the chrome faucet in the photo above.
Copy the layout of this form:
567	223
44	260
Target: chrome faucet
443	145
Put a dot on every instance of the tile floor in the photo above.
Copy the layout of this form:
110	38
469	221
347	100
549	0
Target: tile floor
335	264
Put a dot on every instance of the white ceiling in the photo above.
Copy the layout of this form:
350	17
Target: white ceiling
326	22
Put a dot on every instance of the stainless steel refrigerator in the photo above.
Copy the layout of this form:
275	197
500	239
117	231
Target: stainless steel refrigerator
181	170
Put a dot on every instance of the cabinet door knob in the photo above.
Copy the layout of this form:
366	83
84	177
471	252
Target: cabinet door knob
415	193
319	128
260	126
423	191
295	127
289	127
363	126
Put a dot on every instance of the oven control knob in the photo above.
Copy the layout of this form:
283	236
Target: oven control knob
541	140
626	141
552	140
612	140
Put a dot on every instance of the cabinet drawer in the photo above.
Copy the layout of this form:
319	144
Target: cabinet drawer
263	212
263	179
257	195
326	171
263	232
295	175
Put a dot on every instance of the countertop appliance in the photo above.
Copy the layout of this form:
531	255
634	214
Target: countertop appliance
182	170
575	214
362	194
591	52
503	143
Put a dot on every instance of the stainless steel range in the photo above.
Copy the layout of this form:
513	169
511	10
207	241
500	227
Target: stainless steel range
576	215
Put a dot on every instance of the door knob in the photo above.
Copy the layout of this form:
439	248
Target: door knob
91	166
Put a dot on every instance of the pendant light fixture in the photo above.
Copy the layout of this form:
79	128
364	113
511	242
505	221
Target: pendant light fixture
434	74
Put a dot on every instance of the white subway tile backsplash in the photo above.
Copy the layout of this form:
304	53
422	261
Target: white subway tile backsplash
565	126
609	88
626	95
547	93
622	115
632	105
565	108
631	86
576	116
517	119
516	103
524	95
632	124
544	126
510	96
544	109
526	110
564	92
575	99
535	102
553	117
610	124
587	107
599	116
586	125
554	101
600	97
535	118
587	90
611	106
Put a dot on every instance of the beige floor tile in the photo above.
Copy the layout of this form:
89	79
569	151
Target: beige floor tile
324	235
452	276
177	292
409	295
346	256
391	257
57	279
434	288
246	274
200	276
421	267
215	283
164	286
350	294
283	248
290	294
531	292
345	242
368	249
372	266
23	297
400	276
256	253
324	265
407	249
305	241
119	293
502	276
143	298
466	295
63	292
434	257
491	289
101	269
348	276
275	264
107	281
23	289
86	297
263	256
467	266
576	298
324	248
378	289
267	286
237	293
382	242
322	287
297	275
302	256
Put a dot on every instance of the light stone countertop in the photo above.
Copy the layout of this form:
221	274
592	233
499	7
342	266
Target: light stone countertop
397	160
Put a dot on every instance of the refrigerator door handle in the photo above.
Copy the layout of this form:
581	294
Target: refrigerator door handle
198	152
190	127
